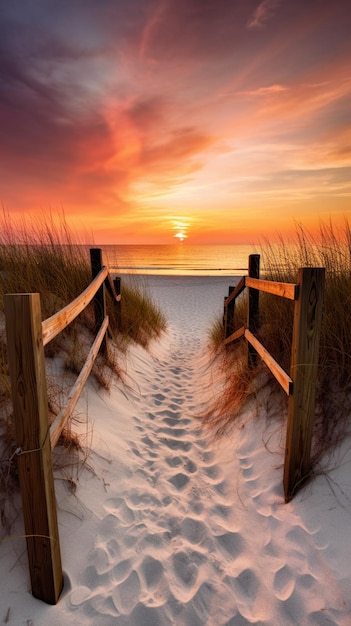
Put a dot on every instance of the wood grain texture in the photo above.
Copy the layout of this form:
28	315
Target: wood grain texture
304	369
253	315
229	311
58	322
284	290
236	292
279	374
30	407
100	295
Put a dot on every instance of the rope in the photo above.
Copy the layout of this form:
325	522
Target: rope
19	451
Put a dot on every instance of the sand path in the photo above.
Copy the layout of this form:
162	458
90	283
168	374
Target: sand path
180	541
164	545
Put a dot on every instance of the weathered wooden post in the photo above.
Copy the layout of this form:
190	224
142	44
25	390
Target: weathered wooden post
30	407
304	368
225	315
100	297
229	315
117	286
253	311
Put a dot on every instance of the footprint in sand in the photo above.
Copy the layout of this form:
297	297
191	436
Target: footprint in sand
179	481
213	471
158	398
168	413
152	571
232	543
180	433
247	589
190	466
174	461
185	569
175	421
284	583
195	531
126	595
175	444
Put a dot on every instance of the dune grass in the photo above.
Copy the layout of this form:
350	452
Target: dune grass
139	319
46	258
280	261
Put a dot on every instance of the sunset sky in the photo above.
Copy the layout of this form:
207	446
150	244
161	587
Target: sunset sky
220	120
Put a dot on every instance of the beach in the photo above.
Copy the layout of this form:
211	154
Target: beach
167	525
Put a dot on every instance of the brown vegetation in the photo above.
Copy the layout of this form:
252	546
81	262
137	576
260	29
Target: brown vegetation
45	258
280	262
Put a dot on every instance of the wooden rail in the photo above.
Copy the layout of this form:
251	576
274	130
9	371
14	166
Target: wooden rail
285	290
300	385
62	418
60	320
26	337
282	377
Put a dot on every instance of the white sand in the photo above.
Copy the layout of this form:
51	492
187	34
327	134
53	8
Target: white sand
170	527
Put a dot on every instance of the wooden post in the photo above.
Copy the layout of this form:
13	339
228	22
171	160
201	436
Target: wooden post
229	318
117	286
30	407
225	316
304	368
253	311
99	298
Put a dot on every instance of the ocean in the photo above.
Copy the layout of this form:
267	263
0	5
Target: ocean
180	259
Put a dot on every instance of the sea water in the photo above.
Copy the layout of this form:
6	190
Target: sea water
181	259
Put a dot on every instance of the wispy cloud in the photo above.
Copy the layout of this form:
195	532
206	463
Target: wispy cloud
265	91
264	12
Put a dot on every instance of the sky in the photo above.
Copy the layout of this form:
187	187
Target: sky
152	121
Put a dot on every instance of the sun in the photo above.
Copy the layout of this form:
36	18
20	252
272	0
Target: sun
181	236
179	226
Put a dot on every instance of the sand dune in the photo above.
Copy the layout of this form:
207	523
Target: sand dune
172	527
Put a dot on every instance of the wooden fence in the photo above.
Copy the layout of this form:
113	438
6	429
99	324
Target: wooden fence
300	385
35	437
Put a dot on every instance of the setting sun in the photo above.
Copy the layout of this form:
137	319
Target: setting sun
180	236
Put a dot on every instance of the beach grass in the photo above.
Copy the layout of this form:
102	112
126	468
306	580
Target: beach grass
47	258
280	261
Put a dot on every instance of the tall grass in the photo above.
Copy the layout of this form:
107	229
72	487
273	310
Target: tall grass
330	248
139	319
48	259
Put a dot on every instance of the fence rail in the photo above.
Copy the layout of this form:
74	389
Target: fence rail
26	337
300	385
55	324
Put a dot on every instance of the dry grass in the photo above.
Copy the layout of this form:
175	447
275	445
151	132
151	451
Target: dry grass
280	262
234	386
138	319
46	258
